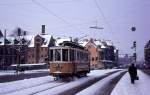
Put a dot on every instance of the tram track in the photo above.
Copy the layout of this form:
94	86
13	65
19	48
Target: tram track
33	87
51	85
76	89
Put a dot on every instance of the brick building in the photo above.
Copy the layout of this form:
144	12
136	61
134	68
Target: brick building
13	51
38	47
102	53
95	53
24	49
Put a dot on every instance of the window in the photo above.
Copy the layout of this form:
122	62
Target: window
65	54
32	55
96	58
72	55
51	55
89	46
85	57
57	55
92	58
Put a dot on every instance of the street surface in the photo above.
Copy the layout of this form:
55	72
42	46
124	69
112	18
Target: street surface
98	82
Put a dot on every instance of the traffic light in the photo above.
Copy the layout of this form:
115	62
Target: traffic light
134	44
133	28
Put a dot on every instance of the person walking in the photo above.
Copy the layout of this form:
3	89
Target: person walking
133	73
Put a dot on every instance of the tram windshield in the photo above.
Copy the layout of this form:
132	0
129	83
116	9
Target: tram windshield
67	55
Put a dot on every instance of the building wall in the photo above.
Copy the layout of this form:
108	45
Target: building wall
37	54
31	55
147	54
93	53
10	54
7	56
43	53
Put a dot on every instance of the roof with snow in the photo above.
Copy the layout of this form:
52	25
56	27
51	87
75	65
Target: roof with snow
46	40
28	40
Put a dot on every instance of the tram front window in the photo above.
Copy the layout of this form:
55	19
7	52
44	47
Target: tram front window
65	54
57	55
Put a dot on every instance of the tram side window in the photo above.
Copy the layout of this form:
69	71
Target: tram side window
78	55
57	55
72	55
80	58
51	55
65	54
84	57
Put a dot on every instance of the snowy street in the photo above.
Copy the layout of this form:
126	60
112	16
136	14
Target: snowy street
98	82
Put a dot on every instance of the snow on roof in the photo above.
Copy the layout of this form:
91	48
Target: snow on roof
9	39
61	40
98	43
46	40
83	43
30	38
2	41
109	43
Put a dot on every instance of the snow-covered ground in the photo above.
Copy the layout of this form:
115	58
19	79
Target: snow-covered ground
98	87
22	84
33	85
141	86
47	86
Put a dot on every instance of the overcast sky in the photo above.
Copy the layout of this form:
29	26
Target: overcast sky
74	17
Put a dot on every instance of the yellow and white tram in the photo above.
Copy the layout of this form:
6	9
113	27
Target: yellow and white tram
68	59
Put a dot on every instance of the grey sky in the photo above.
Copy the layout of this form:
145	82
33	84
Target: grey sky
79	15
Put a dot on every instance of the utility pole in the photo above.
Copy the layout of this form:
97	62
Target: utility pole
133	29
4	50
134	54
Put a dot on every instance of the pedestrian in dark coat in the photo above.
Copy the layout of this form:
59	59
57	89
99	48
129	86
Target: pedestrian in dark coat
133	73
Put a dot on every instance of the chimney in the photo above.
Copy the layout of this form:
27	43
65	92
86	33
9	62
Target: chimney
43	29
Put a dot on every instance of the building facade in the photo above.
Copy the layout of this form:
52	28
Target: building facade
147	54
24	49
102	53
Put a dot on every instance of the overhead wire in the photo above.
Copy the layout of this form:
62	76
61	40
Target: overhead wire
54	14
102	14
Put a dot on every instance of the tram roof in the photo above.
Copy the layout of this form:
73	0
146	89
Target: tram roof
70	44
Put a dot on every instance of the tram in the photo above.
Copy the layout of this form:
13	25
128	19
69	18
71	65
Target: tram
68	59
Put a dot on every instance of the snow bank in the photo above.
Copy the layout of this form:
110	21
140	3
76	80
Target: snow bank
22	84
141	86
93	74
96	88
35	89
32	85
